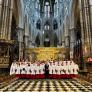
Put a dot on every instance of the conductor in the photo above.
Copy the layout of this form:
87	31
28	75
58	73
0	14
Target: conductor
46	67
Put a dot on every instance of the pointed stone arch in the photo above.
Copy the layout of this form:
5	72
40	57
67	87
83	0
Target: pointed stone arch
47	40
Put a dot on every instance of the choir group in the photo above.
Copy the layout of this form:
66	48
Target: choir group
36	68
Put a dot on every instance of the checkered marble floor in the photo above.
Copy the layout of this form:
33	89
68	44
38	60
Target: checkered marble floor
47	85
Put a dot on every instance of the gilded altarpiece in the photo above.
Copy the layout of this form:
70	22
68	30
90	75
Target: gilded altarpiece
48	53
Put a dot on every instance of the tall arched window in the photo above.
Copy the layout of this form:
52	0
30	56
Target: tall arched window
47	25
38	24
55	25
56	8
47	9
37	8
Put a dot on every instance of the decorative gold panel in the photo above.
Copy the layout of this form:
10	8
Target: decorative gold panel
4	62
48	53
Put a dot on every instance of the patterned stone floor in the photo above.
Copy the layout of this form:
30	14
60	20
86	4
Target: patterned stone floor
47	85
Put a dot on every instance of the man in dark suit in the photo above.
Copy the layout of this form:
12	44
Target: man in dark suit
46	67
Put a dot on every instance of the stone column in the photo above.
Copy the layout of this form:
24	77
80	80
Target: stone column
10	19
72	42
66	34
20	40
6	17
90	15
85	27
63	39
60	37
72	34
42	29
1	2
85	18
41	40
51	29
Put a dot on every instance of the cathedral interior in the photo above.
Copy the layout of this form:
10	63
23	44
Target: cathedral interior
46	33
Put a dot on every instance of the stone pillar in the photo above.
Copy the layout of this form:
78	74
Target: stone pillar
42	29
51	38
66	34
86	31
1	2
90	15
63	39
72	42
60	42
67	42
10	19
63	36
20	40
41	40
52	31
6	17
72	34
85	27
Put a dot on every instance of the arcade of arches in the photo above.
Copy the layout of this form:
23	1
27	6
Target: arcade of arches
44	30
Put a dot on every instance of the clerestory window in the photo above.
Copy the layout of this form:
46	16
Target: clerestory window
47	9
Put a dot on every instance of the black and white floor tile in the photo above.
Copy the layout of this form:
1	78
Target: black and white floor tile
47	85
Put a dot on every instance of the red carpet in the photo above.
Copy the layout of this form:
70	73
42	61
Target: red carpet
42	76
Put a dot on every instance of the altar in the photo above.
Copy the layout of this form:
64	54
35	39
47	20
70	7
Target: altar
47	53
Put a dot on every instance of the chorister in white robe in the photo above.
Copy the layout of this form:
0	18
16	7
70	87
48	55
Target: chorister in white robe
71	67
13	68
22	65
42	68
54	68
60	62
62	69
71	62
56	63
28	69
76	69
50	69
18	69
23	71
37	69
64	63
58	69
49	63
67	69
33	69
68	62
